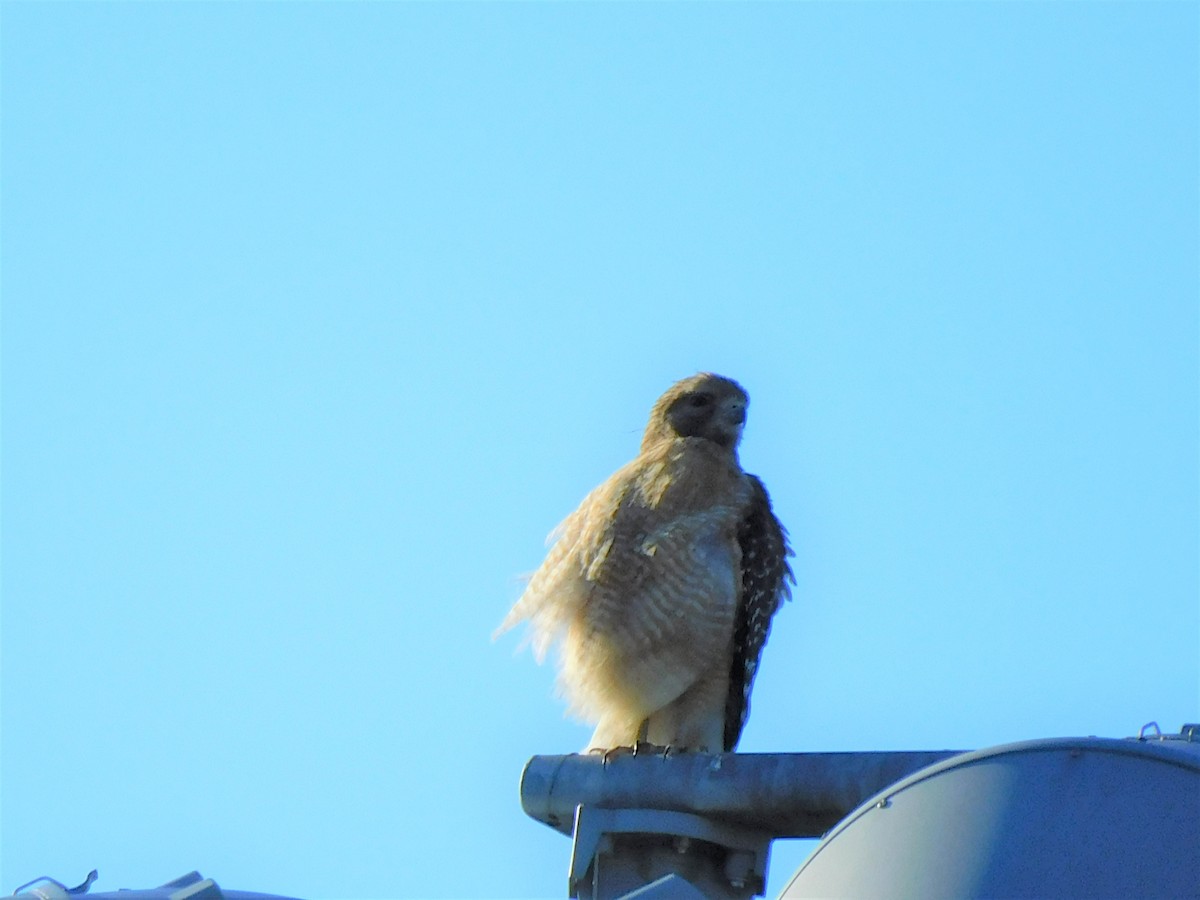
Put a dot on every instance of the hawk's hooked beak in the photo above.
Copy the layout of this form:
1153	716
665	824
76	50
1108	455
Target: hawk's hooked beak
731	431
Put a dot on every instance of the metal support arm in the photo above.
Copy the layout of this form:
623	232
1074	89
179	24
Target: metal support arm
789	795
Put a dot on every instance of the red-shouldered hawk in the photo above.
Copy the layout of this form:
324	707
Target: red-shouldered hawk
662	584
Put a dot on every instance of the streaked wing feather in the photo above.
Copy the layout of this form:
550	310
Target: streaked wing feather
766	583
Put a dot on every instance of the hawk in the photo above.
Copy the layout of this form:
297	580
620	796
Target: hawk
661	586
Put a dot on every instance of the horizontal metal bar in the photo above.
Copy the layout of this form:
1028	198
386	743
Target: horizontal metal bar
789	795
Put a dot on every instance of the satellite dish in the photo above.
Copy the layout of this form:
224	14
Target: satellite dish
1072	817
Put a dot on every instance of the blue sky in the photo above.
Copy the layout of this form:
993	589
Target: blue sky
318	317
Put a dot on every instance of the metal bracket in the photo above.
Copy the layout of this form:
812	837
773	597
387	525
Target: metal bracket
649	854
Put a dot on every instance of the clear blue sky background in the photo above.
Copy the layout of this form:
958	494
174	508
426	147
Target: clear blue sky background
318	317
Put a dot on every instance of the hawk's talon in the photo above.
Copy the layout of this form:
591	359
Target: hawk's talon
615	753
645	748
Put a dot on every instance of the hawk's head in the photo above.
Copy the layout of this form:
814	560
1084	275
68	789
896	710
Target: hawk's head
705	406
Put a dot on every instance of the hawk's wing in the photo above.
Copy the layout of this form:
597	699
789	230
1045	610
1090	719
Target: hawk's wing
766	580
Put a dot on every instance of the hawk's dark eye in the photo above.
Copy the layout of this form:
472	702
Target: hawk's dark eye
700	400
